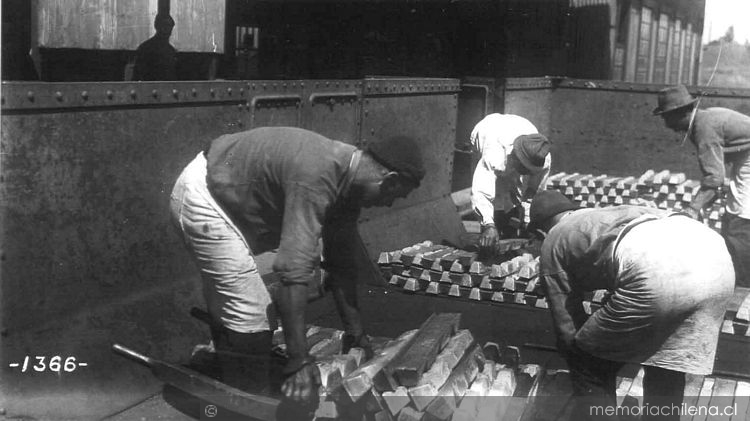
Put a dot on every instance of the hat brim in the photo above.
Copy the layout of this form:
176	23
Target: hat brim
528	165
525	162
659	111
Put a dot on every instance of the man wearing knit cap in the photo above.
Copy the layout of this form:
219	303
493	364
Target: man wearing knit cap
722	139
669	280
284	188
514	165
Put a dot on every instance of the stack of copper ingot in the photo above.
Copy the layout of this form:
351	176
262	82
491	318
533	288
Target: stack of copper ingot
664	190
436	372
431	269
441	270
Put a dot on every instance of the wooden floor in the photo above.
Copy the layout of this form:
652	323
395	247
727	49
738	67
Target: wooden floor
710	397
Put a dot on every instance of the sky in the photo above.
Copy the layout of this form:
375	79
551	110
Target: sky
721	14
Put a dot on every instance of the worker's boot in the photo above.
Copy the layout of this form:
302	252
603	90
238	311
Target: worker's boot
244	359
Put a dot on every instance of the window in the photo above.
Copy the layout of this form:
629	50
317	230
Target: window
618	66
687	62
674	68
246	39
662	41
632	48
644	46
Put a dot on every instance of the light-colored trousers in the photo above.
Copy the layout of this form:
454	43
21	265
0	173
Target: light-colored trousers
235	294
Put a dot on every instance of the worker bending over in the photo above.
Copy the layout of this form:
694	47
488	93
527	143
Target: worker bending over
285	188
670	279
722	139
514	165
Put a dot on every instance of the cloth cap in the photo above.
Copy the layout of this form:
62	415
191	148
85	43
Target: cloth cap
532	150
547	204
673	98
400	154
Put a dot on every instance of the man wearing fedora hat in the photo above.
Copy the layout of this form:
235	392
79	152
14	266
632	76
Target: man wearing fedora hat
669	280
722	139
513	166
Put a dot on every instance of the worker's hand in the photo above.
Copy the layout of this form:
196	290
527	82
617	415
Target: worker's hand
489	237
302	385
357	341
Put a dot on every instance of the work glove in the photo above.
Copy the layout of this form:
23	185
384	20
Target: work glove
302	380
489	237
350	341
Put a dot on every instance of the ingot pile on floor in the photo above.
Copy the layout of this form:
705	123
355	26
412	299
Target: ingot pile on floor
436	372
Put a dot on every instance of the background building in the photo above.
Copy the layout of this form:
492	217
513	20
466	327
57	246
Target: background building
631	40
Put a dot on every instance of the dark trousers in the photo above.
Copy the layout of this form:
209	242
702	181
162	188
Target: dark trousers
503	222
594	383
244	360
736	232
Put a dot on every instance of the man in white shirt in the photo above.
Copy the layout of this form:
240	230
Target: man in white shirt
514	165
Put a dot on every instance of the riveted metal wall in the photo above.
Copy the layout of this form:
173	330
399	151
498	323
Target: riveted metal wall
478	98
606	127
276	103
333	108
89	256
531	99
424	109
329	107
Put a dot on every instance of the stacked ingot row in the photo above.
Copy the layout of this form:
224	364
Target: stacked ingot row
738	322
432	269
436	372
447	271
664	190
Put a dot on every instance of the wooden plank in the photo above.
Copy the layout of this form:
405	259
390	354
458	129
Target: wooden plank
743	310
722	398
742	401
704	398
204	387
623	387
693	385
634	396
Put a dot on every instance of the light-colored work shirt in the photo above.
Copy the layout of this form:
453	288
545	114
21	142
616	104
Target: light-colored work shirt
496	185
714	130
